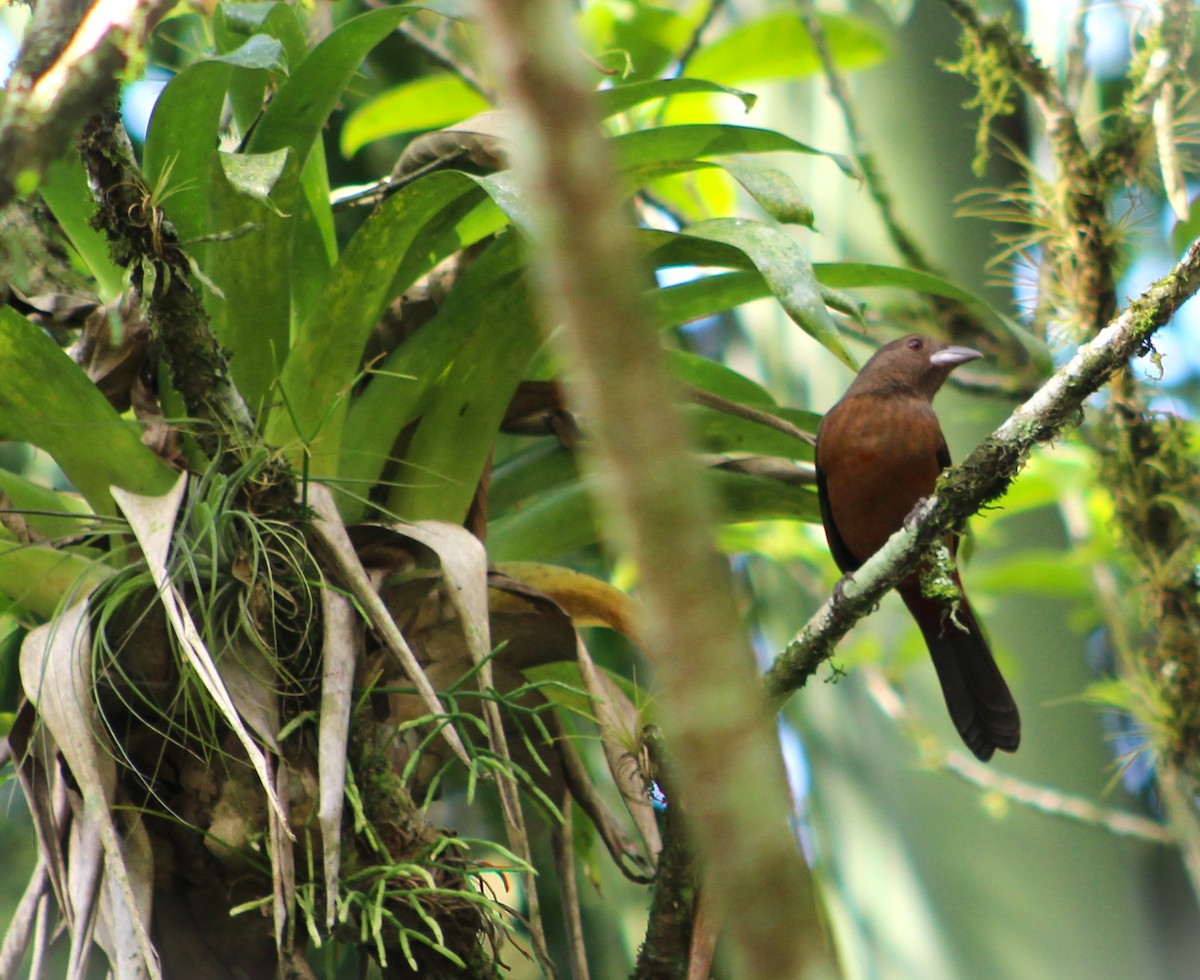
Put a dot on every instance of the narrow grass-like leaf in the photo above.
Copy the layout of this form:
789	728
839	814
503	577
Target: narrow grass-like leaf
152	520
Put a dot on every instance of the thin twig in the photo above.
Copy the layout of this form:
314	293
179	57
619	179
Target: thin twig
693	45
1044	799
905	244
442	56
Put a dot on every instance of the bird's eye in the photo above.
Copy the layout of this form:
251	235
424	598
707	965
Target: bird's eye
915	343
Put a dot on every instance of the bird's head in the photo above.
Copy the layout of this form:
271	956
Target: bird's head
914	363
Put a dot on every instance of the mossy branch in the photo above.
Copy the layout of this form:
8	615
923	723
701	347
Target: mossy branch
66	70
985	474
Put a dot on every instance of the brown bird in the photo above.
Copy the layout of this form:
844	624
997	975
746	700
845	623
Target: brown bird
879	452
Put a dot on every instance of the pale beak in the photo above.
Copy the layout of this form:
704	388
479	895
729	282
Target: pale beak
954	356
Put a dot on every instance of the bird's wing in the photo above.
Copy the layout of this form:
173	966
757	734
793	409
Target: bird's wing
837	547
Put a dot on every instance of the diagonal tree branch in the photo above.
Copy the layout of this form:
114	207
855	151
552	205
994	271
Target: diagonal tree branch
984	476
49	97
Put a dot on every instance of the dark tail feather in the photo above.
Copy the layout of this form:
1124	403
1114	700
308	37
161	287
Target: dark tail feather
981	706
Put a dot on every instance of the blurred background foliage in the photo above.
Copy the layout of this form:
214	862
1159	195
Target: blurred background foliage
927	867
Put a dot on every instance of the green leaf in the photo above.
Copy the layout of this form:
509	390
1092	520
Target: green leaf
252	316
785	266
40	506
720	432
254	174
774	191
46	400
705	295
299	111
417	375
181	143
641	39
430	102
457	429
534	470
700	372
858	275
325	357
555	523
65	191
648	149
779	46
40	579
261	52
552	524
622	98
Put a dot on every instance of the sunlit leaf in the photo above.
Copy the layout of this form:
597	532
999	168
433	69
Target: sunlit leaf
778	46
429	102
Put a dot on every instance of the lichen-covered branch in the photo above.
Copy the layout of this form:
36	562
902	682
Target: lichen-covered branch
1083	252
67	69
986	473
723	747
143	240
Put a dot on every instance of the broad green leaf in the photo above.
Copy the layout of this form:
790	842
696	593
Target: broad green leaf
48	512
774	191
232	23
621	98
181	142
40	579
534	470
859	275
562	520
252	316
65	191
299	111
261	52
550	525
314	238
650	148
669	249
720	432
787	269
700	372
1046	573
325	357
46	400
182	136
778	46
707	295
414	376
430	102
466	403
254	174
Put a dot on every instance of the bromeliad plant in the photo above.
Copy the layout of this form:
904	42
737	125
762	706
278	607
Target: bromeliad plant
301	586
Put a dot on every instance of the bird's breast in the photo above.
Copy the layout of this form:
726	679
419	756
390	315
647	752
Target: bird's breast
878	457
